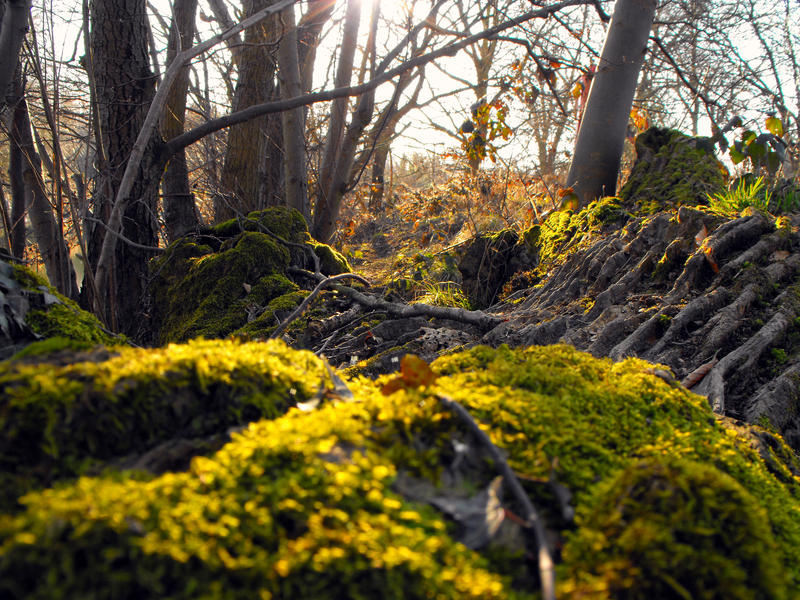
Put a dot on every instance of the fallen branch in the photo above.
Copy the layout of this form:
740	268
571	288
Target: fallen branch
533	521
298	312
478	318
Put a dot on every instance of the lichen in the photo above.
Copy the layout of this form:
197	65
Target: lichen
306	504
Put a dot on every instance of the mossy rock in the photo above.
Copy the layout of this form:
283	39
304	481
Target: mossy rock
653	521
485	265
58	419
211	292
672	169
34	310
313	504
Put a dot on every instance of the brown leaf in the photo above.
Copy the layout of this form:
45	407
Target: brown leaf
779	255
711	262
696	376
701	235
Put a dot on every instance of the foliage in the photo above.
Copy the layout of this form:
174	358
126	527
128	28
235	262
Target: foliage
744	195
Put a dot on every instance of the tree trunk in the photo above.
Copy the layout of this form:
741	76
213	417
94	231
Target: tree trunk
293	121
601	137
247	182
19	207
49	237
309	30
325	209
180	213
14	14
125	89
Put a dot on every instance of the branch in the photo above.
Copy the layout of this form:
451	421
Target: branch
257	110
477	318
298	312
532	519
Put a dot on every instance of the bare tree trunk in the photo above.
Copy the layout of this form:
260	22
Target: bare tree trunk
247	183
309	30
293	121
601	138
125	89
325	211
180	213
49	237
14	15
19	206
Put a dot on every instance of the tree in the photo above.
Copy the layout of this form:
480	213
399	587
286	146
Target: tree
14	15
601	137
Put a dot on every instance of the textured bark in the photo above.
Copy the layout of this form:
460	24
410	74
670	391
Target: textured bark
326	203
180	213
125	87
601	137
251	171
309	30
18	202
14	15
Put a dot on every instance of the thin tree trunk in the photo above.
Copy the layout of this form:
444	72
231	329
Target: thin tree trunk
18	201
293	121
601	138
180	213
49	236
325	211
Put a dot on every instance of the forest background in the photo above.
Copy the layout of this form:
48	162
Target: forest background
365	108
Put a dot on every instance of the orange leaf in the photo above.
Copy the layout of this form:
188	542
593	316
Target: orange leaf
701	235
414	373
711	262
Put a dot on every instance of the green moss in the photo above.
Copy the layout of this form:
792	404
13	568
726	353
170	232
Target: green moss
672	170
58	421
49	345
331	262
207	295
62	317
286	223
565	231
276	310
648	528
306	505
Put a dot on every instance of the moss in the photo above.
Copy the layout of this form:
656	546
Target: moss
275	312
331	262
58	421
672	169
307	505
566	231
49	345
286	223
647	528
208	295
59	316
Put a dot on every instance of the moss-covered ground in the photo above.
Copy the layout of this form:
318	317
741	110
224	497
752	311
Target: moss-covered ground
670	502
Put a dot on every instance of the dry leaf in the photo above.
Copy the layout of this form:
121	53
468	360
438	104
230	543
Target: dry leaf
780	255
247	287
696	376
701	235
414	373
711	262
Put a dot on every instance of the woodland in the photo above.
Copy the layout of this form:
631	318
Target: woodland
365	299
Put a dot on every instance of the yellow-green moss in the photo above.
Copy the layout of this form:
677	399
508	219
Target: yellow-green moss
563	232
56	421
672	528
303	506
286	223
672	170
63	318
276	310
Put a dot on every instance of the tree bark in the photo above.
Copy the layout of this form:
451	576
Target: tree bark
601	137
247	181
19	207
325	211
293	121
14	15
125	89
180	213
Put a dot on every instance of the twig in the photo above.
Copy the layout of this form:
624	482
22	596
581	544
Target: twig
532	519
308	299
